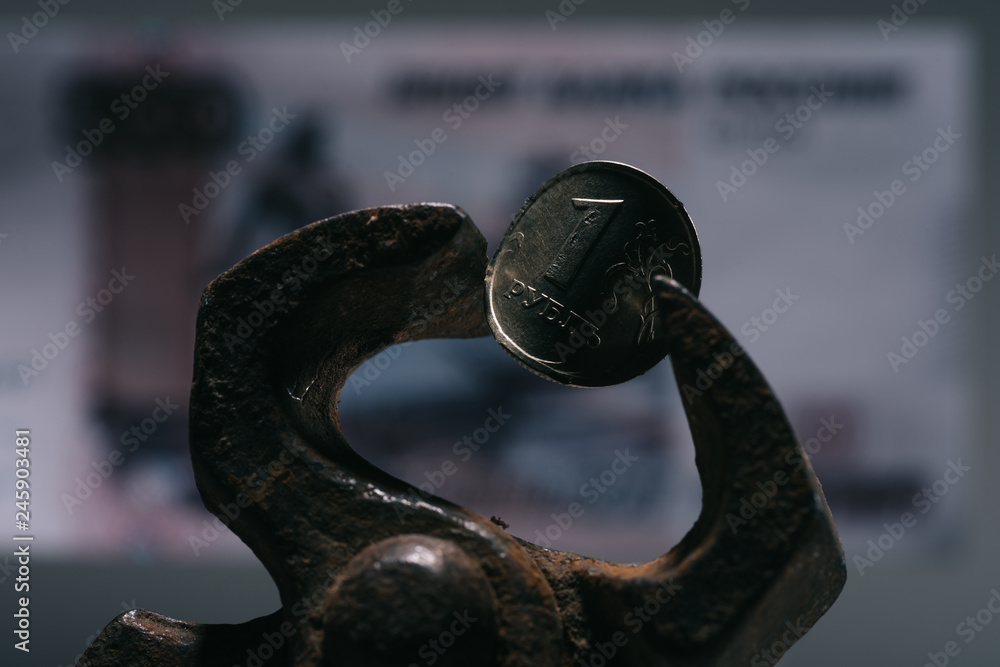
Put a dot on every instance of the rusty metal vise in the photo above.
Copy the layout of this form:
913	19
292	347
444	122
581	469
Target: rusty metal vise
360	588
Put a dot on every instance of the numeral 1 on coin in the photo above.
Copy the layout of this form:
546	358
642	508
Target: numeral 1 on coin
575	249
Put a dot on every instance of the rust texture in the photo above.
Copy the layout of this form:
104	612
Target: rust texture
368	575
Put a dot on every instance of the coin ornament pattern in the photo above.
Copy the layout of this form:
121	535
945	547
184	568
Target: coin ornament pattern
637	271
569	290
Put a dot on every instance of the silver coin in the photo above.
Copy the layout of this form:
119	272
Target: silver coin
568	291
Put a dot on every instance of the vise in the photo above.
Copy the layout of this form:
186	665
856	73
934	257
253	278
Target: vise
358	587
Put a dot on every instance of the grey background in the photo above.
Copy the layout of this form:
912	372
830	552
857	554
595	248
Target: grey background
893	617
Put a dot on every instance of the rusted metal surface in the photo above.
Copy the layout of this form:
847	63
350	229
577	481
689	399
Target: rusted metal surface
360	586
